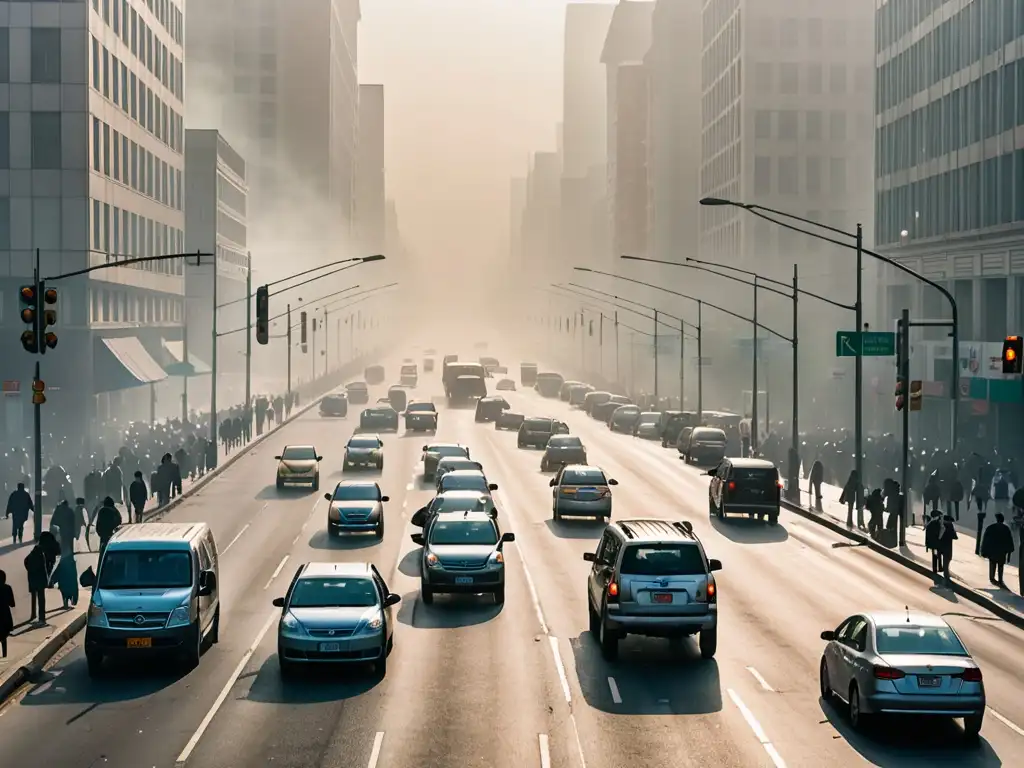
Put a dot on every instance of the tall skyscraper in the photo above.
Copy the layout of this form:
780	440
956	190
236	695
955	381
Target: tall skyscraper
370	175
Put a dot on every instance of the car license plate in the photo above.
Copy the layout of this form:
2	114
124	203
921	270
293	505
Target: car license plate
140	642
662	597
463	579
928	681
330	647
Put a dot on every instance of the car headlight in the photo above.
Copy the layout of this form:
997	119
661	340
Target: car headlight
373	624
497	559
433	561
182	615
292	626
97	616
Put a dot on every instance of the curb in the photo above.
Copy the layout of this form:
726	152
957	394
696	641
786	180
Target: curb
34	663
973	595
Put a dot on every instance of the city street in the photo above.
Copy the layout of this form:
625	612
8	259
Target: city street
472	684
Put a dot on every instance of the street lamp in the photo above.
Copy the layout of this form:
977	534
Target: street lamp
858	246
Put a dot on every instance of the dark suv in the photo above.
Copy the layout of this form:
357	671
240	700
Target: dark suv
535	432
745	486
652	578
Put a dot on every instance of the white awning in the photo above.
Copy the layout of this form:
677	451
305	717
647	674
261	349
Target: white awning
137	366
179	366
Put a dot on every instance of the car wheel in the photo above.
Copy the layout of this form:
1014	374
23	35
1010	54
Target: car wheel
194	651
426	594
773	519
972	726
595	620
380	465
499	596
280	484
608	639
721	511
857	718
555	514
380	531
711	506
823	682
708	643
94	664
316	483
215	628
380	666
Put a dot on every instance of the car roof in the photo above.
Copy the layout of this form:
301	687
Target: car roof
464	473
445	445
457	459
360	384
582	468
298	445
752	463
357	484
648	530
906	618
364	435
463	494
651	413
469	517
563	438
320	569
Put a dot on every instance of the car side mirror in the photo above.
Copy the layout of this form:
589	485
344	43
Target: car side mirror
385	498
277	458
714	565
507	537
278	602
613	482
88	578
493	513
709	473
492	487
207	583
329	497
424	449
828	634
552	483
319	458
392	599
417	538
590	557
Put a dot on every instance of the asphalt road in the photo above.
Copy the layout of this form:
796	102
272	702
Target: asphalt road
471	685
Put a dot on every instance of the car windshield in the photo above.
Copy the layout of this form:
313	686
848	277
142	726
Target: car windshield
709	436
299	453
448	450
650	418
449	465
420	407
583	477
538	425
146	569
564	441
456	482
759	476
918	641
663	560
333	593
356	385
469	532
363	442
460	504
356	493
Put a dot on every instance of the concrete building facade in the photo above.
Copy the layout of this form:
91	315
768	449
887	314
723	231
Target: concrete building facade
371	194
91	174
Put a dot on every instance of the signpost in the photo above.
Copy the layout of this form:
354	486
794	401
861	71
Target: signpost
869	343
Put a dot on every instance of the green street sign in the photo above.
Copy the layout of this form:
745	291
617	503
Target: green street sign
870	343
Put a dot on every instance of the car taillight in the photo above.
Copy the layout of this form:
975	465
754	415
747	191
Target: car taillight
889	673
779	484
732	486
712	591
604	492
971	675
613	592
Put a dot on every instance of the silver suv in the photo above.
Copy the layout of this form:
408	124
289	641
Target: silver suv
652	578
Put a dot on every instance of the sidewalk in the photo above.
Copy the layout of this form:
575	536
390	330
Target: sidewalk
969	571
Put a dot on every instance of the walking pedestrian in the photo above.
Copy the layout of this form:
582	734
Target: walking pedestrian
6	611
81	512
19	504
946	539
997	547
932	535
876	506
63	522
108	519
955	491
981	492
851	495
65	576
816	478
38	581
137	495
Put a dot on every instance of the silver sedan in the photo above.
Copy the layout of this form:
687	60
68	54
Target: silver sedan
581	491
902	663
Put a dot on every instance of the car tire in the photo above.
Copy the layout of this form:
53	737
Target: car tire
712	510
380	465
380	666
499	596
214	635
857	718
608	640
595	620
708	643
972	726
316	483
426	594
555	514
94	664
192	654
825	687
380	531
280	484
773	519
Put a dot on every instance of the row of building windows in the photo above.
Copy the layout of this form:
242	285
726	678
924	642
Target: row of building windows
723	132
231	228
125	234
979	110
118	306
787	175
119	158
725	48
44	55
981	28
896	18
723	93
813	33
145	45
981	195
788	81
785	125
231	195
115	80
715	15
721	169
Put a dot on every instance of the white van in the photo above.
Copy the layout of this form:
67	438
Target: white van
155	593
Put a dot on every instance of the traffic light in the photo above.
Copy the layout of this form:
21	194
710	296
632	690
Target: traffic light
302	331
1013	351
262	315
901	398
47	339
29	298
38	392
915	395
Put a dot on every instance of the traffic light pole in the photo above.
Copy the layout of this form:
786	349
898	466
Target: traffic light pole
248	336
288	322
904	375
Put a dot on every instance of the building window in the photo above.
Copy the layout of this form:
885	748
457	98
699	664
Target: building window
96	146
106	73
837	125
46	140
789	78
837	175
994	307
763	124
106	150
789	181
789	33
5	139
813	177
5	54
97	233
815	33
837	79
813	126
45	42
5	224
788	124
762	175
763	79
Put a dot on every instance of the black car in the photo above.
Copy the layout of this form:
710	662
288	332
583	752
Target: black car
745	486
428	364
535	431
420	417
334	405
374	374
704	445
358	393
379	417
398	397
490	408
510	421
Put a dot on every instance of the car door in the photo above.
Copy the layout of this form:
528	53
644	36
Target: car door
718	480
592	578
557	488
604	567
382	594
206	603
846	654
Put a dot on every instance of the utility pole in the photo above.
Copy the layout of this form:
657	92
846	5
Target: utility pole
682	366
655	358
312	357
327	346
858	385
754	429
600	341
793	481
288	319
618	360
700	363
37	417
248	333
213	367
904	375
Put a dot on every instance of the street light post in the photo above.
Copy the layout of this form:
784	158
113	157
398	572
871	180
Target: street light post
288	323
248	340
755	430
655	357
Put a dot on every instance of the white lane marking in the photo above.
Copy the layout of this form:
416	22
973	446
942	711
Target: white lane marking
614	688
296	539
530	584
277	571
545	750
237	537
561	668
755	726
760	679
378	740
47	685
1008	723
409	487
219	702
579	743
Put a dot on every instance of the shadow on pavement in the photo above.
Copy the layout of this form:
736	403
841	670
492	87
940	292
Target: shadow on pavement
448	611
288	492
127	680
323	540
576	528
749	530
410	564
653	677
318	684
911	740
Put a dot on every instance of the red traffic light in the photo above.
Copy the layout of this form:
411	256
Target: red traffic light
38	398
28	293
50	296
28	315
1013	351
50	340
38	385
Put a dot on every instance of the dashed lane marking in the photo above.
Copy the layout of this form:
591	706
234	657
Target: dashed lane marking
237	537
545	750
410	486
755	726
277	572
378	740
614	688
1007	722
563	679
757	676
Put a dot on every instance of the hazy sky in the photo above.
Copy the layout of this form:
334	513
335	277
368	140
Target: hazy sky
471	87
